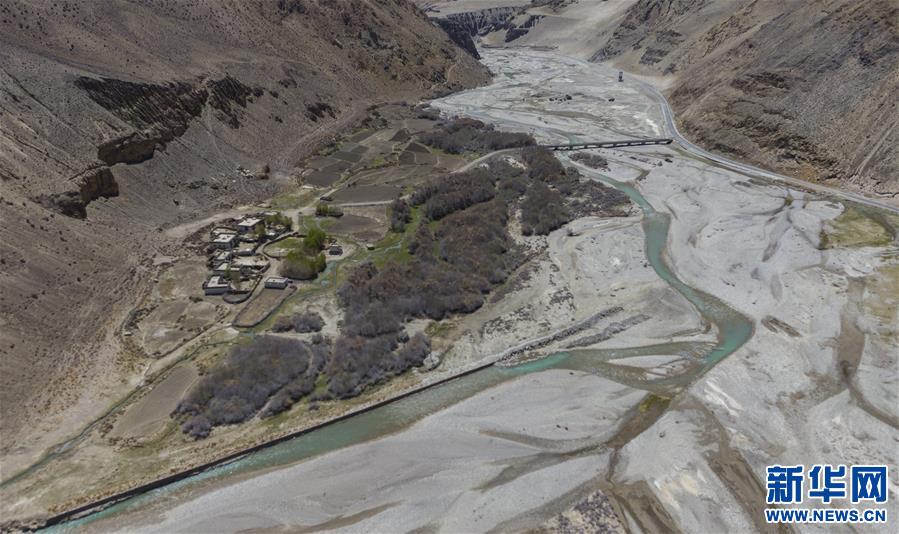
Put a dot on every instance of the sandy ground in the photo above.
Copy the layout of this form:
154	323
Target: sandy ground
174	312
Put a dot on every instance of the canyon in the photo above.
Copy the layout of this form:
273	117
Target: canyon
621	343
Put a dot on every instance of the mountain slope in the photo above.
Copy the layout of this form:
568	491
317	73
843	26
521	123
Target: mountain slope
120	119
807	88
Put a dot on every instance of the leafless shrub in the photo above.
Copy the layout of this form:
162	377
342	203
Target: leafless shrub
542	165
469	135
400	215
543	210
237	389
594	161
307	322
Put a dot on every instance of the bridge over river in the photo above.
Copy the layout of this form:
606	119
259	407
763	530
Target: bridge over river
610	144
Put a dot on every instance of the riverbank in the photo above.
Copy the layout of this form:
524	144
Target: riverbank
497	440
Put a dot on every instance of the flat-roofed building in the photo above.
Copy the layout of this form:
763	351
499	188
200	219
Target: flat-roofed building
246	249
256	263
216	285
222	269
276	282
249	224
224	241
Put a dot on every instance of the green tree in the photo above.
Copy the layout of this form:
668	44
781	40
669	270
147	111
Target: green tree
325	210
315	240
301	266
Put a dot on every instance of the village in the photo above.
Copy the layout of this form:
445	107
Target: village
236	267
236	259
235	264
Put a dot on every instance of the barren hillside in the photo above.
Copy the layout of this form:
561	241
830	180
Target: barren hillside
808	88
122	118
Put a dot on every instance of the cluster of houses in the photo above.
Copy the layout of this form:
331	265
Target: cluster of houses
234	263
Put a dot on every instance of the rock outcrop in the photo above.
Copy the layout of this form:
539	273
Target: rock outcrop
89	185
460	34
162	112
513	22
485	20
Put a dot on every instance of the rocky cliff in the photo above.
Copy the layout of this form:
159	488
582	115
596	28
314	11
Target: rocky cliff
122	118
507	23
807	88
459	35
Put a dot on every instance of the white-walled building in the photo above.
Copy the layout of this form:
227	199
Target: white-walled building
225	241
276	282
216	285
249	225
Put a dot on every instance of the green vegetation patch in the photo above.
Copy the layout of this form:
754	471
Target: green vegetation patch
394	247
653	401
854	228
378	162
279	219
327	210
306	260
291	200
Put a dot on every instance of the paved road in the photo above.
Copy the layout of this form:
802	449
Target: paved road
749	169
